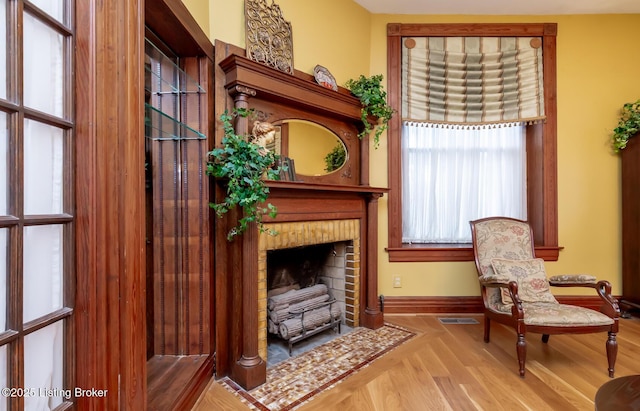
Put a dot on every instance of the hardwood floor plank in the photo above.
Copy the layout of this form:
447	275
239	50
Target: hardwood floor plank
450	367
455	395
383	391
568	392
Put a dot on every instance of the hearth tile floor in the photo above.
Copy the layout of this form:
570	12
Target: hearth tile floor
297	380
278	349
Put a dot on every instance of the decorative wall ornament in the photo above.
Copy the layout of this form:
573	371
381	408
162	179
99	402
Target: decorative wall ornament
325	78
269	37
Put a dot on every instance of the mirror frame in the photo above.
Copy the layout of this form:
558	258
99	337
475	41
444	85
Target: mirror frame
346	132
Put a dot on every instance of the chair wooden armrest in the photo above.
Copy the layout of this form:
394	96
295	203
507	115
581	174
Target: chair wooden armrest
493	280
602	287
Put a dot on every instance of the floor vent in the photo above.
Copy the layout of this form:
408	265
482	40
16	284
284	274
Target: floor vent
458	321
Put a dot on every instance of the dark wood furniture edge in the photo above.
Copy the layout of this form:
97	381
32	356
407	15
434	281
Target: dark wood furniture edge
630	200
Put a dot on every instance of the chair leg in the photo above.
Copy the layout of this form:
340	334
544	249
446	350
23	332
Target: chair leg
487	328
521	347
545	338
612	352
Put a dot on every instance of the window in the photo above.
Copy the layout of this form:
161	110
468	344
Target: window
541	195
456	174
36	201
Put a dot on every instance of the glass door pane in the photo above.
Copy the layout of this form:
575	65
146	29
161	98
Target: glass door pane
54	8
43	89
4	163
3	49
4	250
3	376
43	354
43	165
43	284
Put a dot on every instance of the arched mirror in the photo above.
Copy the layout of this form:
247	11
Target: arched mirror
315	149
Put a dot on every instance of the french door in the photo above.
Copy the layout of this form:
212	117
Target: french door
36	203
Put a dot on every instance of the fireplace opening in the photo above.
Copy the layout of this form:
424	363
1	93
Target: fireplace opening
306	304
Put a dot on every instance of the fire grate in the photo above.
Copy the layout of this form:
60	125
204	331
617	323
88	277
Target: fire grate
452	320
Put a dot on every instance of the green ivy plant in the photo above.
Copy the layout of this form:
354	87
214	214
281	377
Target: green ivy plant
374	104
628	125
335	158
244	168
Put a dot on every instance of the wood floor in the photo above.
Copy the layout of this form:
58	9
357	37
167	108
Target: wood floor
449	367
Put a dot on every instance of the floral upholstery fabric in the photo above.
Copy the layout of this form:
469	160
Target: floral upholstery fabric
500	239
559	315
531	277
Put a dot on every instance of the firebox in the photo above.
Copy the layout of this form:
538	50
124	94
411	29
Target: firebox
320	259
306	290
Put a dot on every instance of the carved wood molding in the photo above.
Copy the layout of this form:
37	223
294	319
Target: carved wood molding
274	86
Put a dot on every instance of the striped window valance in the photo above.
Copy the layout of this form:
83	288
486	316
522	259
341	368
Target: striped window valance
472	80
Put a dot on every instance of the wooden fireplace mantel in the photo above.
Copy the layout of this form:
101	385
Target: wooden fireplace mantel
242	83
299	89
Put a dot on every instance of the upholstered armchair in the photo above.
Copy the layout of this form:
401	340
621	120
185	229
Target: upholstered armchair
516	291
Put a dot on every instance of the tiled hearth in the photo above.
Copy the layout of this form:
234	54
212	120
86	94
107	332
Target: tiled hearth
305	233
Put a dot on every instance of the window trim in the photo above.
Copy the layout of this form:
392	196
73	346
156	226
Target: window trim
542	192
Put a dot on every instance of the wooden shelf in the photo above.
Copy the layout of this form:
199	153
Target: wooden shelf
295	185
168	375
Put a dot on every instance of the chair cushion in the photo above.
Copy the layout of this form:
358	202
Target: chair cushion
531	277
562	315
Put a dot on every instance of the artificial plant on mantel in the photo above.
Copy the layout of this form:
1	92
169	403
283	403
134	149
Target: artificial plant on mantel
244	165
628	125
374	104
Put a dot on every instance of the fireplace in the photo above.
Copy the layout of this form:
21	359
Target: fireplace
340	272
337	207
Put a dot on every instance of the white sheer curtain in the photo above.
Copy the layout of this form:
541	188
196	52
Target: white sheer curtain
453	175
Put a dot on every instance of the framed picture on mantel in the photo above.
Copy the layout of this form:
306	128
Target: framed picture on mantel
287	169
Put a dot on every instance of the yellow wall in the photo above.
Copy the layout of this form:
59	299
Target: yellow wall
332	33
598	69
200	11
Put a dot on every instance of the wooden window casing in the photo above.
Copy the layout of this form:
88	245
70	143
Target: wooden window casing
542	194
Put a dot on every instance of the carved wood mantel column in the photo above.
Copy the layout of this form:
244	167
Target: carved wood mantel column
372	316
250	370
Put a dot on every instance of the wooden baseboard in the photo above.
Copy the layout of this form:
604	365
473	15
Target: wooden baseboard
420	305
423	305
